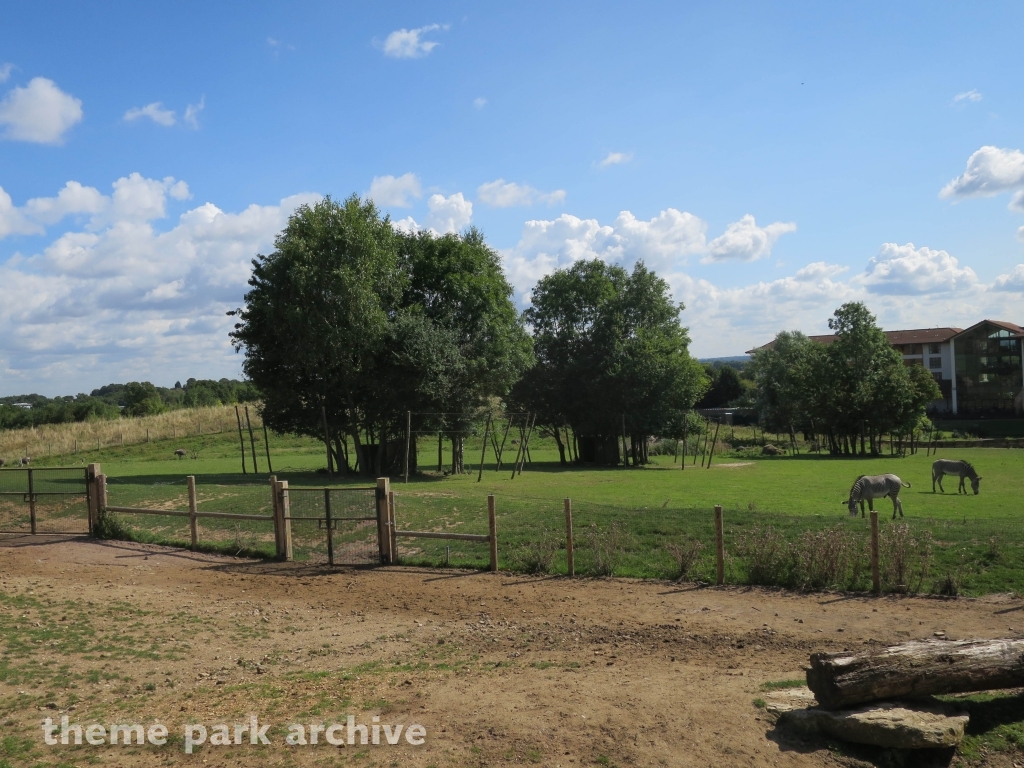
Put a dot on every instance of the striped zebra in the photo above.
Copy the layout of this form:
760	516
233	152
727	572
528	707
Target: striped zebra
961	469
871	487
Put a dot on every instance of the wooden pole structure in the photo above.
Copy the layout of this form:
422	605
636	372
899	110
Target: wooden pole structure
266	444
327	443
286	518
682	457
252	442
696	448
383	535
408	439
519	450
718	426
493	533
92	472
568	538
876	580
526	443
276	511
193	505
501	451
483	452
241	440
719	546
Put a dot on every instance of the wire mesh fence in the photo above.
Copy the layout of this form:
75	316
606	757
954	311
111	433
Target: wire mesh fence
943	556
214	493
334	523
46	500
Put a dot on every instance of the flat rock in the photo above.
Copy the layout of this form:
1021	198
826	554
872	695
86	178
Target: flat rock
893	724
789	699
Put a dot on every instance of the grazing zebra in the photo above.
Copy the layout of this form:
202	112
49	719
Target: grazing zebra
961	469
871	487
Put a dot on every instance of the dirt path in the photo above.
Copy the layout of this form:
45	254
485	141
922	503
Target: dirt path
500	669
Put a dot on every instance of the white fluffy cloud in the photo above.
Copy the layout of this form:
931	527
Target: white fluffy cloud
410	43
506	194
743	240
5	72
616	158
395	191
990	171
40	112
155	112
73	199
125	299
1012	281
13	220
446	214
479	102
904	269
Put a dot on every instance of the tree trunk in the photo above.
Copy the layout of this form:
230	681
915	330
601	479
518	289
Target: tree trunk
561	446
915	669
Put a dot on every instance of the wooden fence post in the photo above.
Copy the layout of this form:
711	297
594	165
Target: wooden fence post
383	537
568	538
876	580
92	496
493	533
241	440
193	522
392	527
408	440
101	491
483	453
286	518
276	511
719	545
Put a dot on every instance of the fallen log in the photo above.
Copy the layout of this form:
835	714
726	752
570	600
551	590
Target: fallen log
915	669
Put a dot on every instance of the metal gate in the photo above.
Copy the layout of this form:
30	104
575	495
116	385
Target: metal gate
45	500
337	526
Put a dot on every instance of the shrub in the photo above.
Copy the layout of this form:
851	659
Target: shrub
604	547
535	556
904	558
954	581
685	556
766	556
829	558
111	526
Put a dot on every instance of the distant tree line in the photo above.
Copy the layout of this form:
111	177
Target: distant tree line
851	392
115	400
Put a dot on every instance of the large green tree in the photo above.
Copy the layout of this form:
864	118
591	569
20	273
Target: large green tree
612	356
351	318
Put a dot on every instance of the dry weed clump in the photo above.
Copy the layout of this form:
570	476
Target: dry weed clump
66	439
685	556
535	557
603	548
766	556
830	558
904	558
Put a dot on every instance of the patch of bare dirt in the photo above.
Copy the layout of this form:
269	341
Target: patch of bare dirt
500	669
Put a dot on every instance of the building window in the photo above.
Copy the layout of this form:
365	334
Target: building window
935	349
935	363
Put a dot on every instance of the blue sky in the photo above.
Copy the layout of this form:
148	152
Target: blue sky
770	161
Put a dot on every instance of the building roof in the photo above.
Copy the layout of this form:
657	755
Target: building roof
912	336
1013	328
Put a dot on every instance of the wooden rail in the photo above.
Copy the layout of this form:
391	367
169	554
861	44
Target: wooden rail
179	513
453	536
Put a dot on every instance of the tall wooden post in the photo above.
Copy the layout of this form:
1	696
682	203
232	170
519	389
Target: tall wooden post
101	491
625	451
876	578
330	526
286	518
713	443
408	439
252	442
682	457
193	522
501	450
440	453
92	472
568	538
719	545
493	532
483	452
278	527
383	536
241	440
526	443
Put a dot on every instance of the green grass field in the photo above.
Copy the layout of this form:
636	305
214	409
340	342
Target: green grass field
626	520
